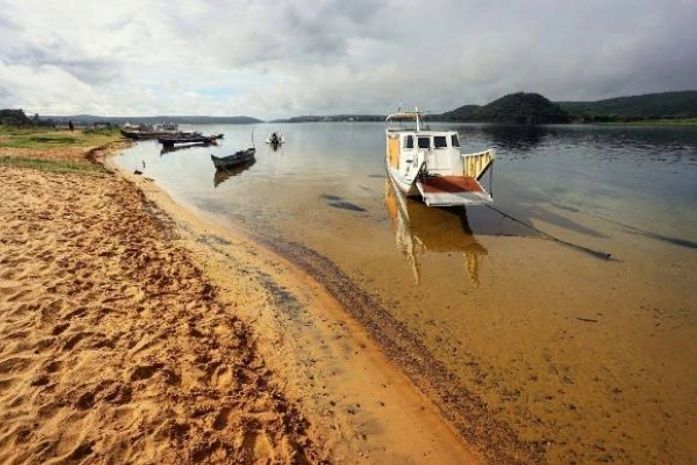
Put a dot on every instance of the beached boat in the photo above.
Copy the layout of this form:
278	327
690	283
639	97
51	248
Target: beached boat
147	132
231	161
426	163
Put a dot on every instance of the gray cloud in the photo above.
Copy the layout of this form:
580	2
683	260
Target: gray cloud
272	58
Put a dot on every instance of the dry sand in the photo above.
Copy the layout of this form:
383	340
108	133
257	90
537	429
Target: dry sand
113	345
128	335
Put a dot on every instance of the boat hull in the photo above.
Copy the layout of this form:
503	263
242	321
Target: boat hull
240	158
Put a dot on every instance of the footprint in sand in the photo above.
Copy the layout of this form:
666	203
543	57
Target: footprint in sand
142	372
257	448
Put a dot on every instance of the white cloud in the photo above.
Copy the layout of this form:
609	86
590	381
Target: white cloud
271	58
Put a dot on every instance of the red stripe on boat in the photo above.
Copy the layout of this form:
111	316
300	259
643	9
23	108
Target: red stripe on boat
450	184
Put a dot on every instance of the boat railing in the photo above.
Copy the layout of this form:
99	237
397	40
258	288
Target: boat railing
476	164
415	115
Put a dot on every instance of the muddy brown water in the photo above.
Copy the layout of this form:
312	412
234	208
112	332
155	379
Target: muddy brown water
575	357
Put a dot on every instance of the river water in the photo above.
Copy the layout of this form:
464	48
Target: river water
590	359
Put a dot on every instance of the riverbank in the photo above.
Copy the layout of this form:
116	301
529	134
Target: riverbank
115	347
140	336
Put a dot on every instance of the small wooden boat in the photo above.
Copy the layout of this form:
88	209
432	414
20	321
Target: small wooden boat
188	138
236	159
429	164
172	148
145	134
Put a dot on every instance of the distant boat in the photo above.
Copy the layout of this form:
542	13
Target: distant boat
275	139
429	164
231	161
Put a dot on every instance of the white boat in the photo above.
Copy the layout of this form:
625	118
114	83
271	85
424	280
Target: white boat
427	163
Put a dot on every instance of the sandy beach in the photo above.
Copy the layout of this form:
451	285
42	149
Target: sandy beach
115	348
131	335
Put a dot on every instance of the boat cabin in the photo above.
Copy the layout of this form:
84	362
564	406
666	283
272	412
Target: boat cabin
428	162
441	151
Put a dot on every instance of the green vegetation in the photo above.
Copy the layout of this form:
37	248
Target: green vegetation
14	117
463	113
519	108
663	109
47	138
331	118
662	106
56	166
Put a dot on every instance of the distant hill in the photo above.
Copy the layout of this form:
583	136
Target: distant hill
518	108
664	105
330	118
90	119
463	113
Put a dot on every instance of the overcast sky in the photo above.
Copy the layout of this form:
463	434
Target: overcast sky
281	58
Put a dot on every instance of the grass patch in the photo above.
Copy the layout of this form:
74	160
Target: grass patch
54	166
48	138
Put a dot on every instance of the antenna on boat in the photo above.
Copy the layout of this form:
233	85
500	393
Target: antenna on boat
253	146
416	110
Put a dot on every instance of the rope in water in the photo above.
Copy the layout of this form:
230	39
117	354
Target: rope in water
596	253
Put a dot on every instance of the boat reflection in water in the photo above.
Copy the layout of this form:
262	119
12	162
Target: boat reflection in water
419	229
223	174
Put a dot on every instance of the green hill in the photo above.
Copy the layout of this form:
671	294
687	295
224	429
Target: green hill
463	113
90	119
519	108
664	105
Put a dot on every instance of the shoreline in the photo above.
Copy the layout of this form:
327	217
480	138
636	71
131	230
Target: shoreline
115	345
464	412
162	336
358	389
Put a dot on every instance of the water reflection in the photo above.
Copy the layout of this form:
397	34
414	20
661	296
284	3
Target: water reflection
419	229
517	137
222	175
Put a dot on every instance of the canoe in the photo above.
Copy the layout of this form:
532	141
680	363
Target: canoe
188	138
146	135
236	159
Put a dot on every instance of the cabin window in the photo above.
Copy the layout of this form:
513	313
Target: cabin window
424	142
409	142
455	142
440	142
